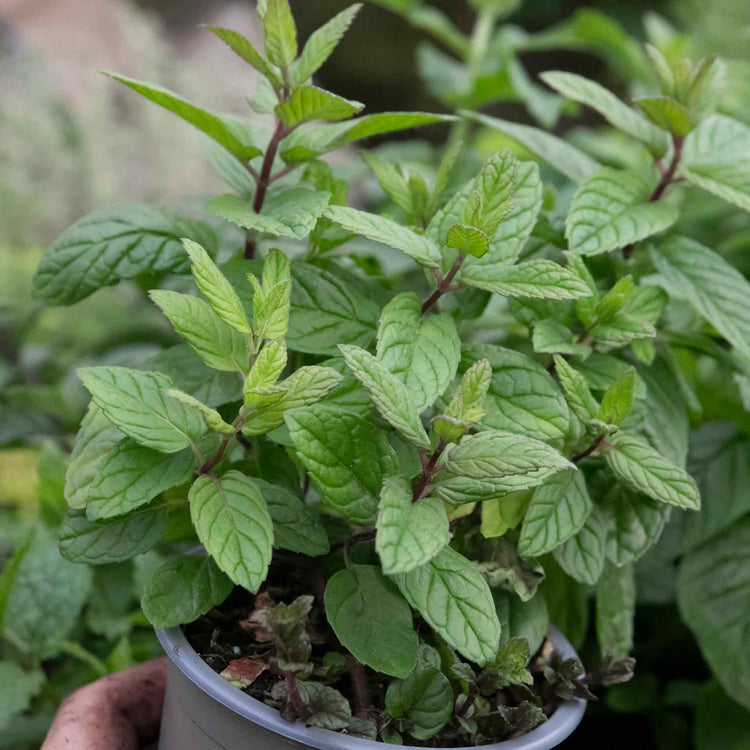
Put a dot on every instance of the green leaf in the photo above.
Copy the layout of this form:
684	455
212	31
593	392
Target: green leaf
423	701
211	417
295	527
279	32
577	392
309	103
713	593
321	44
528	620
386	232
113	245
645	470
266	370
494	185
632	524
542	279
422	352
467	403
553	337
563	157
455	600
130	476
557	511
468	240
242	47
504	513
372	620
46	599
503	567
612	210
18	688
218	345
216	288
303	387
346	455
182	589
667	113
715	159
309	142
329	709
292	213
523	398
208	122
327	311
622	330
391	397
110	540
615	608
582	556
271	298
720	722
232	521
510	664
394	181
618	399
615	112
408	534
135	402
691	272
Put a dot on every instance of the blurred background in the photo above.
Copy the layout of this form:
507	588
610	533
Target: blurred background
71	142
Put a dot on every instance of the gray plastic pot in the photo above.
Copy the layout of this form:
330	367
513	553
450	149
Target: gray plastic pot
202	711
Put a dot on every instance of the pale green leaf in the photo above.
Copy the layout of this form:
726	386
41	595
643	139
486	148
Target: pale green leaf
554	337
386	232
346	455
391	397
279	31
467	240
408	534
421	352
113	245
232	521
582	556
372	620
557	511
504	513
211	417
618	399
455	600
612	210
615	608
577	392
182	589
266	370
271	298
242	47
135	402
518	619
645	470
217	344
666	113
309	103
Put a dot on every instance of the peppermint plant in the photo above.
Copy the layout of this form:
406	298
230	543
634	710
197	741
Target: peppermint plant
414	435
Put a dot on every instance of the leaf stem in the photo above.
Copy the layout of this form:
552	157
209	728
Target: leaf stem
667	179
428	471
445	284
598	440
360	687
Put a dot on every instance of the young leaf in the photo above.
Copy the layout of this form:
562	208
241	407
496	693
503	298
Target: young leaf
455	600
309	103
242	47
219	346
510	664
347	456
280	32
557	511
619	115
266	370
387	232
618	399
321	44
612	210
467	240
110	246
553	337
295	527
372	620
391	397
135	402
232	521
582	556
408	534
211	417
504	513
421	352
303	387
271	298
292	213
566	159
131	476
208	122
577	392
645	470
327	311
111	540
615	607
523	398
423	701
182	589
216	289
666	113
691	272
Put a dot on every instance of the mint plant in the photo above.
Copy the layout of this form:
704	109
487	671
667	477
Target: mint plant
465	447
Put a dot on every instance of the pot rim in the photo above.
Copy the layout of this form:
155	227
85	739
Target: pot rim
560	725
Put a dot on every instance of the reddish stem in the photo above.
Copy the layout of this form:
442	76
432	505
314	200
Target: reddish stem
427	472
444	284
594	445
